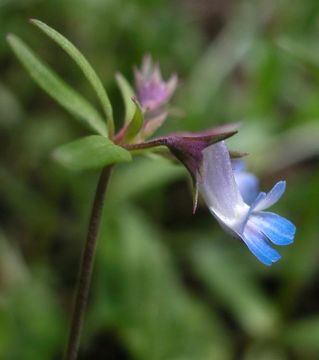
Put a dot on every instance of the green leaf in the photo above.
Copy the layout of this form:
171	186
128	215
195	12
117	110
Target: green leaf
136	123
128	95
303	334
135	270
84	65
200	94
304	50
91	152
235	287
56	87
141	176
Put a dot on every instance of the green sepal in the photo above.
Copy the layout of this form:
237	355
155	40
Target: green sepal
136	124
234	154
127	94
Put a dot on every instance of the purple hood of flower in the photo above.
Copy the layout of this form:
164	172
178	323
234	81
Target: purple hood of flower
188	147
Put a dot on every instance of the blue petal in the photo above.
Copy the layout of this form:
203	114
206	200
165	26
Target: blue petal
278	229
238	165
248	185
271	197
247	182
257	243
260	197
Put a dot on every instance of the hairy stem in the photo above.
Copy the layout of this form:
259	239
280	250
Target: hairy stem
86	267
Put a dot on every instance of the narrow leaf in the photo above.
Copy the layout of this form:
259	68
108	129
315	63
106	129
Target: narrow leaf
127	94
303	334
234	287
218	62
136	123
91	152
84	65
303	50
56	87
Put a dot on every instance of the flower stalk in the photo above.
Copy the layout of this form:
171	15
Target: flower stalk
86	268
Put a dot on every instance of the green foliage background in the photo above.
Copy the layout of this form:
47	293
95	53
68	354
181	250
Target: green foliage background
167	284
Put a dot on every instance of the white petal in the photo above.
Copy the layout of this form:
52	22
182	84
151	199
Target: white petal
219	189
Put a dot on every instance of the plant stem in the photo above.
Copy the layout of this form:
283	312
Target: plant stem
86	267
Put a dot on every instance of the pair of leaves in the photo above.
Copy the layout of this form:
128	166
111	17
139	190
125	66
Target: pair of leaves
56	87
133	112
92	151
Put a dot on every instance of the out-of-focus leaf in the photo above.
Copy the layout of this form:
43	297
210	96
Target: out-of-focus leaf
136	123
27	204
56	87
91	152
31	325
139	293
294	146
13	270
299	271
84	65
302	50
10	109
128	95
264	68
219	60
265	351
235	288
303	334
140	176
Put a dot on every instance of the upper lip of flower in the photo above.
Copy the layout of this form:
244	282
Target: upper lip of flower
256	227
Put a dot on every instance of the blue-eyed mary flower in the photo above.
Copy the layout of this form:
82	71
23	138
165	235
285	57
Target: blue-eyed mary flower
151	94
250	223
230	192
152	91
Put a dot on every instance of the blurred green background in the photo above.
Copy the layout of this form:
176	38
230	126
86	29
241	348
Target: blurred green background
167	284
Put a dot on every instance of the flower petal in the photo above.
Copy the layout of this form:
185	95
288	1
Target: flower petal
258	244
238	165
248	185
278	229
152	91
171	85
271	197
218	187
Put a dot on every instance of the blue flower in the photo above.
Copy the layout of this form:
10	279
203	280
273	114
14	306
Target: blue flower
249	222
